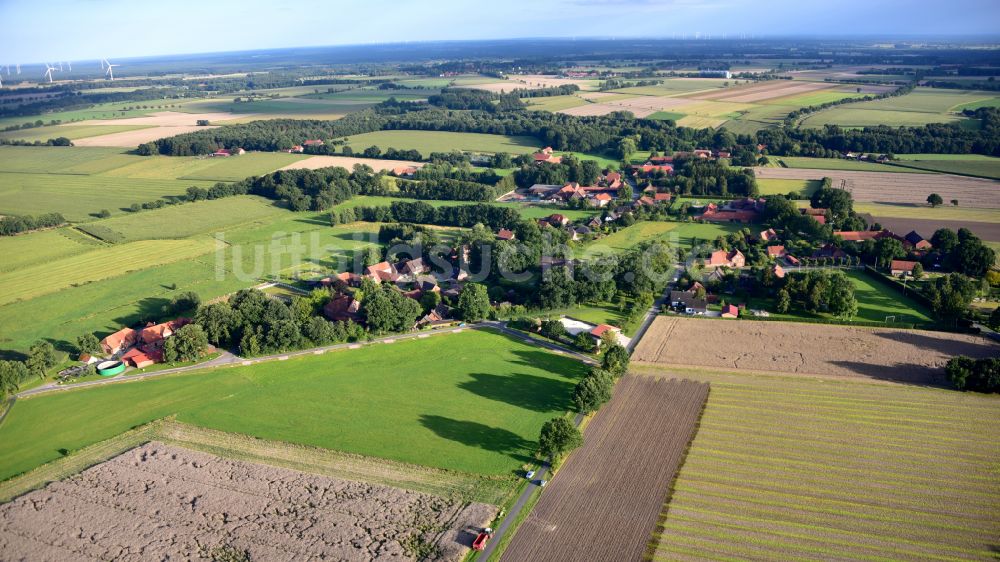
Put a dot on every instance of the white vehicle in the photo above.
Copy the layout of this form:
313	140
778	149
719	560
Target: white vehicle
530	474
543	483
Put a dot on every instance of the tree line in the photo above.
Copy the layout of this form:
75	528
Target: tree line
16	224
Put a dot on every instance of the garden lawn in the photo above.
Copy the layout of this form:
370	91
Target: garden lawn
691	232
473	402
876	301
629	237
443	141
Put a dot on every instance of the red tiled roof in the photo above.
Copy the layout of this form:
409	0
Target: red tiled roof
902	265
601	329
775	251
505	234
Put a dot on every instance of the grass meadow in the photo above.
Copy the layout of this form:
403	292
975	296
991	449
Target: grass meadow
808	468
920	107
985	167
804	188
944	212
472	402
841	164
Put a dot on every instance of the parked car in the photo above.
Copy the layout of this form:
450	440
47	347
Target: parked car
530	474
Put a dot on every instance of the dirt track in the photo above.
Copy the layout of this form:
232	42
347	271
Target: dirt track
914	356
899	187
159	502
604	503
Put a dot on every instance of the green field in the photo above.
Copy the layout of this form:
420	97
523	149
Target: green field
554	103
841	164
79	198
691	232
114	110
443	141
876	301
42	247
834	469
182	221
920	107
69	131
804	188
985	167
201	168
527	210
666	116
627	238
479	411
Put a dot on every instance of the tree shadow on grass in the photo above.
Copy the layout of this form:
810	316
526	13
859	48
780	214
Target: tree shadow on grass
549	361
62	345
147	310
11	355
474	434
531	392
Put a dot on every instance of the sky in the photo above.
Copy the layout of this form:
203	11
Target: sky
41	30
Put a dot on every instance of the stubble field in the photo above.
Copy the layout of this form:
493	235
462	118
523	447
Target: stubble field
599	506
161	502
798	468
808	349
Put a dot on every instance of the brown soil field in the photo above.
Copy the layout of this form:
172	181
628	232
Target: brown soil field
164	119
604	503
884	187
762	91
159	502
651	102
348	162
132	139
989	231
913	356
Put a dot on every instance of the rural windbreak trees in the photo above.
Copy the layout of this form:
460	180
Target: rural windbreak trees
558	437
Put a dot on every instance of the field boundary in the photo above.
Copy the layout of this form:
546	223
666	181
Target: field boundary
313	460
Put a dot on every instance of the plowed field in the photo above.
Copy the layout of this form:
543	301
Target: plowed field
604	503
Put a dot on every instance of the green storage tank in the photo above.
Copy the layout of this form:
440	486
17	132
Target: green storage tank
110	368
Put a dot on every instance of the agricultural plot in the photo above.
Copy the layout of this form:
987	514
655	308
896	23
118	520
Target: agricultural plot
691	233
911	189
554	103
81	197
960	164
799	468
803	188
628	238
604	503
56	159
988	231
76	132
42	247
100	263
141	501
807	349
377	164
764	91
920	107
477	412
442	141
202	168
839	164
183	221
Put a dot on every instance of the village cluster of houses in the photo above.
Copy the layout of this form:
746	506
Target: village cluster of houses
139	348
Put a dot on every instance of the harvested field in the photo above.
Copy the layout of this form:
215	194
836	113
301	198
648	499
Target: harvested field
164	119
989	231
348	162
881	187
594	109
797	468
159	125
913	356
162	502
765	91
651	102
600	506
132	139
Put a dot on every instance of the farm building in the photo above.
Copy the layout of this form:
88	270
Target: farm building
776	252
119	341
730	311
900	268
688	302
720	258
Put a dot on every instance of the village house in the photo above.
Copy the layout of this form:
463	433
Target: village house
902	268
720	258
738	211
119	341
688	302
730	311
546	156
313	142
557	220
829	251
153	336
383	271
343	308
776	252
504	234
140	360
404	171
598	332
411	268
226	152
778	271
916	241
297	149
768	235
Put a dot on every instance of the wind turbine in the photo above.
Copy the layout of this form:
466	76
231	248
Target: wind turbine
111	72
60	67
18	65
48	71
70	65
103	62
